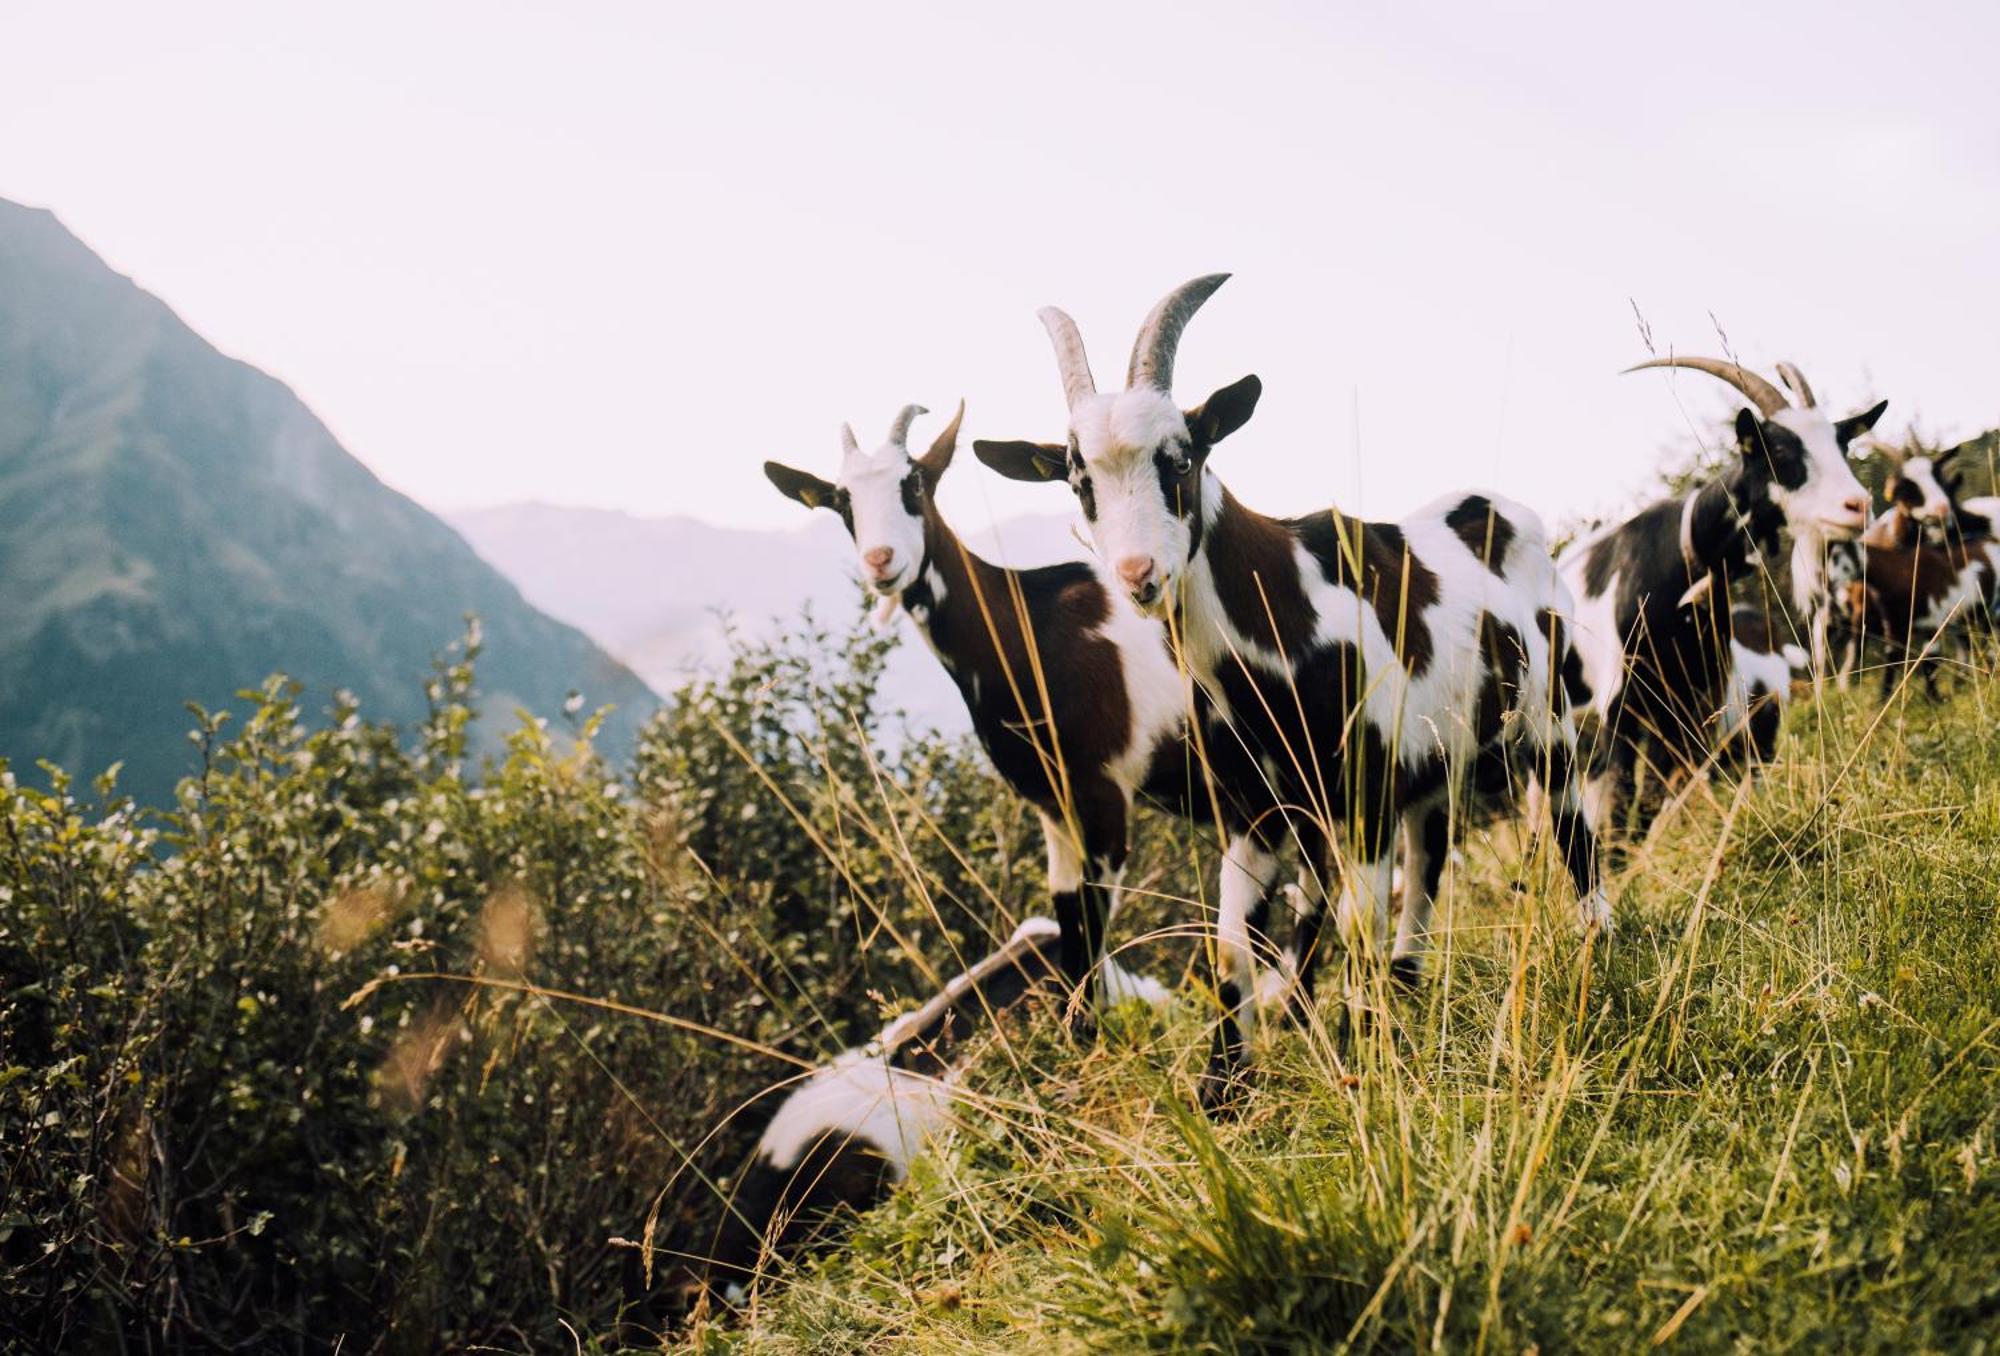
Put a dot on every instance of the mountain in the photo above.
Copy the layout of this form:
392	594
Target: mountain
676	578
175	525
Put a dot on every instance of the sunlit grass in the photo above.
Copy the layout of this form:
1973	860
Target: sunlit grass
1763	1118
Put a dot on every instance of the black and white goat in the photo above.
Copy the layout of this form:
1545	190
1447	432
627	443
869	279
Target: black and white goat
1072	692
849	1132
1351	673
1653	619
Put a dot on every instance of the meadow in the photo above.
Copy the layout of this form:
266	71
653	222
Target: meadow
1763	1119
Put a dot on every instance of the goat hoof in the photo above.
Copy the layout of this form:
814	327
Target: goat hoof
1406	973
1083	1025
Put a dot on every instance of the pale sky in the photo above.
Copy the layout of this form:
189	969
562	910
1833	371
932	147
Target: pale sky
619	254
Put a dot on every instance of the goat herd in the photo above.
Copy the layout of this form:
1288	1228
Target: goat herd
1333	687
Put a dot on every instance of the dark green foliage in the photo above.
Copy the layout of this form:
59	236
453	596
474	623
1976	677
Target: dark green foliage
207	1138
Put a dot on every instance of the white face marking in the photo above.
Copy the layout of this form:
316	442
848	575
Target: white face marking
1824	504
874	485
1921	472
1118	436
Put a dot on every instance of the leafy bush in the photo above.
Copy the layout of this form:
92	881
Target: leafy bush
351	1043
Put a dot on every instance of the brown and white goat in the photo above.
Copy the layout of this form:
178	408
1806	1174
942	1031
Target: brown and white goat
1926	568
1072	692
1351	673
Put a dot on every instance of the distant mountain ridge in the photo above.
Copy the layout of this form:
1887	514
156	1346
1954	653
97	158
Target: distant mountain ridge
175	525
653	591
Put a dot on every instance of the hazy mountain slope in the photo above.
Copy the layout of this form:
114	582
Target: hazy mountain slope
174	525
652	590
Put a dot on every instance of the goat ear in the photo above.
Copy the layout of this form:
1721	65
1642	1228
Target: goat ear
803	486
1852	427
934	461
1224	412
1749	436
1024	460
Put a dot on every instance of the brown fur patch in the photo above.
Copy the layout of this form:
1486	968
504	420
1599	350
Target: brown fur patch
1906	584
1483	529
1257	578
999	627
1375	562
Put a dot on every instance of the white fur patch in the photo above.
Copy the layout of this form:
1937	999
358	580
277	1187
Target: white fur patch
858	1094
1749	669
1117	436
1119	985
1593	618
1919	471
1821	503
894	1110
874	485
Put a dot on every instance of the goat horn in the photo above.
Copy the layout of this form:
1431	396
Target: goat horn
1767	398
1070	360
1796	379
899	431
1153	351
938	456
847	443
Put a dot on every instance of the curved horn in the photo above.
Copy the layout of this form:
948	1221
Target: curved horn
1153	351
1070	360
899	431
939	454
1796	379
1767	398
847	444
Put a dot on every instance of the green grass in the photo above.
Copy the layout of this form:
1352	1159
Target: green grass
1765	1119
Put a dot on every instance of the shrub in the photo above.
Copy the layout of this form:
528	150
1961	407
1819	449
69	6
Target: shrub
350	1042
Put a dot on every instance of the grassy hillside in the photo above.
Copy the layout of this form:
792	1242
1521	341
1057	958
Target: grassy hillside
351	1049
1768	1118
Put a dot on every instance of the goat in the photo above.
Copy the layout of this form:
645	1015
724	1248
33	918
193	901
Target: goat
1913	589
1920	485
1347	673
1924	565
1653	618
1072	693
848	1133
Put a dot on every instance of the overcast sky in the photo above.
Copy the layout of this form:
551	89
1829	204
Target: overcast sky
620	254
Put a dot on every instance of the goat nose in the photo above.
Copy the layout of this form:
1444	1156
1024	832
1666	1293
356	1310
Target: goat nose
878	559
1135	571
1856	505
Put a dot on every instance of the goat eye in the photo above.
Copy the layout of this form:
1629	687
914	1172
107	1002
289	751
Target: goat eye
1181	463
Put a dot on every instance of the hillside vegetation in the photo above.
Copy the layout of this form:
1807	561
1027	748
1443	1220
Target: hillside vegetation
357	1044
1764	1119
